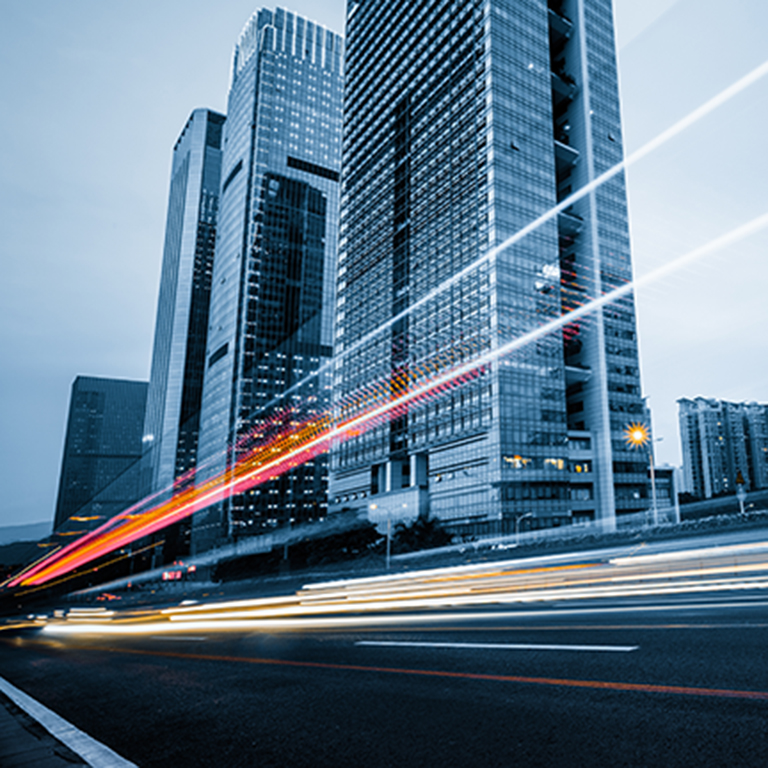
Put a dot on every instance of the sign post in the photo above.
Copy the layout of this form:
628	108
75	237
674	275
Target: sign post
741	494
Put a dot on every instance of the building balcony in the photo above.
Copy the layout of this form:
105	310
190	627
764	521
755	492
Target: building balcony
560	26
568	224
565	157
563	87
575	373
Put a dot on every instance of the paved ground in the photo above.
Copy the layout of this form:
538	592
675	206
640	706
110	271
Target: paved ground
675	681
24	743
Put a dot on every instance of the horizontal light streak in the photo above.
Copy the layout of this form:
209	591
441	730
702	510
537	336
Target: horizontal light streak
431	591
89	611
690	554
392	620
302	619
453	600
252	603
735	568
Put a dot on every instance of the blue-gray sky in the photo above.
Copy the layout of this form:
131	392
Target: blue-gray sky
94	94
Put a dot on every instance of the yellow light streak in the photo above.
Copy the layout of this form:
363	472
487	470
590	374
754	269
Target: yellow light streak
427	595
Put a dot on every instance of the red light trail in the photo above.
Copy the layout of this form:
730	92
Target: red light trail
302	441
292	447
288	448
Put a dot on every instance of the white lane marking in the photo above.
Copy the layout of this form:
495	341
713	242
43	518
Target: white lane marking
96	754
504	646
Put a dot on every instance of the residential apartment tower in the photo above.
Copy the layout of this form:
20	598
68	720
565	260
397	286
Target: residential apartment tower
723	442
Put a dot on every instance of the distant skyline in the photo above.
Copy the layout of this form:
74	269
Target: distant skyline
96	94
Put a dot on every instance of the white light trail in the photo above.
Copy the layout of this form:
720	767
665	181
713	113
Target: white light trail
335	623
423	390
690	554
730	238
665	136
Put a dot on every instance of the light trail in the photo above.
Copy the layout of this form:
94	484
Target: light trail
292	447
390	622
280	455
665	136
690	554
428	598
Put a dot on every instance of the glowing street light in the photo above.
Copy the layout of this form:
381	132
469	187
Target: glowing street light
638	436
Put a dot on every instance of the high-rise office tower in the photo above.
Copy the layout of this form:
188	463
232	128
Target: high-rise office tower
464	122
720	441
171	424
99	468
270	321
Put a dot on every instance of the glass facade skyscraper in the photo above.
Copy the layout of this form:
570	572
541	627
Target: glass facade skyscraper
171	424
464	122
270	321
176	381
102	448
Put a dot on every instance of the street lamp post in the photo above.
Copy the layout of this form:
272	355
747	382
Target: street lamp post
637	436
389	529
741	494
517	526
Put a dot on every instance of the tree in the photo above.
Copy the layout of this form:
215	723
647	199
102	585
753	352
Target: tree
425	533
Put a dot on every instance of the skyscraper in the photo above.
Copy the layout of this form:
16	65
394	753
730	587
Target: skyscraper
270	320
720	441
464	122
176	382
99	468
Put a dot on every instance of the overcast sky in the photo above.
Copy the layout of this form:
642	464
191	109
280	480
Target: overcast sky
94	94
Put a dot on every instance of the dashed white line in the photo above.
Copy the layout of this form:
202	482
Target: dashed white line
191	638
503	646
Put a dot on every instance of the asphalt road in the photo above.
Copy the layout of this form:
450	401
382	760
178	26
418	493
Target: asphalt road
676	681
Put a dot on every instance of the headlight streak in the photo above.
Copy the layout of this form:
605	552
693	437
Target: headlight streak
406	599
261	601
267	625
288	450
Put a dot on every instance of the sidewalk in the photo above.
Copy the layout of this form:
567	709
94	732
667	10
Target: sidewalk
35	736
24	743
